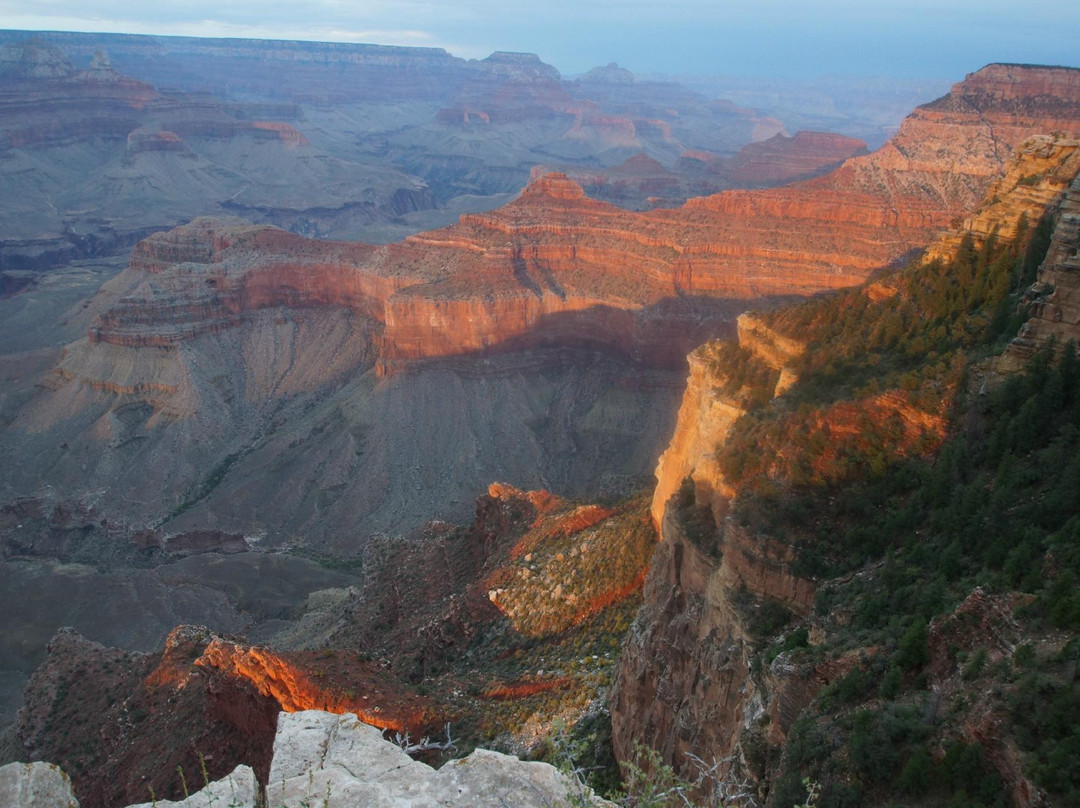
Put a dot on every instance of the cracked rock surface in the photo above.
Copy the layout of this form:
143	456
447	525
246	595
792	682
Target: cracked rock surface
321	758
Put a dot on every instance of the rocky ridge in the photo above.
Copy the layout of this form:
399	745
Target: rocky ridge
642	182
431	114
1056	312
555	265
221	696
690	682
782	159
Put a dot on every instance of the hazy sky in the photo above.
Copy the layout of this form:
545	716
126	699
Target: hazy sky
916	38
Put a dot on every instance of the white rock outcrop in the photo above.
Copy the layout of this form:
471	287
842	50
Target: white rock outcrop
35	785
335	761
238	790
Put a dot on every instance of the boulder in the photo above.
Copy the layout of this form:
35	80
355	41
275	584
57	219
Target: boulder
35	785
335	761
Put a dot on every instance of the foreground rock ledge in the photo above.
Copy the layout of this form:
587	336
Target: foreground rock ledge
35	784
335	761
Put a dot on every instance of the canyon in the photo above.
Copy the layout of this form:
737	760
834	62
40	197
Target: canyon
691	680
253	429
332	141
556	266
71	138
227	350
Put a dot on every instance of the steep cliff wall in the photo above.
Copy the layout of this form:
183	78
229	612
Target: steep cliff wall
684	684
1056	309
705	416
205	276
1036	180
692	678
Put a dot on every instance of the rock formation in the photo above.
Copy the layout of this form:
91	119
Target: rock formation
1035	181
642	182
686	682
239	789
336	761
555	266
783	159
35	785
321	756
421	620
556	257
1056	312
72	138
201	696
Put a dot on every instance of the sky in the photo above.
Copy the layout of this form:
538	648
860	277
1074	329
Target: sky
783	38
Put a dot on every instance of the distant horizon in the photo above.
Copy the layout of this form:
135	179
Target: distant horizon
658	75
653	75
900	39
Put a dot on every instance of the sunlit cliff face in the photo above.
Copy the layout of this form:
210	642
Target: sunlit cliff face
311	681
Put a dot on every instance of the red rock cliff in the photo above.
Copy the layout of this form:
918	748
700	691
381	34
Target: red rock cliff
684	685
554	266
554	251
204	276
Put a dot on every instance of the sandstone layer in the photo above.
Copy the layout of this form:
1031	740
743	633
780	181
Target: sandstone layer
642	182
785	159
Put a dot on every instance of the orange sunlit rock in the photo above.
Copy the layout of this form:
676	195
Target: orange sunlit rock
556	268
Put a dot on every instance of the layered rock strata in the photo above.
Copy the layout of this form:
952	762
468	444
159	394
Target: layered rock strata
1056	309
555	267
95	160
1036	181
685	682
216	324
785	159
